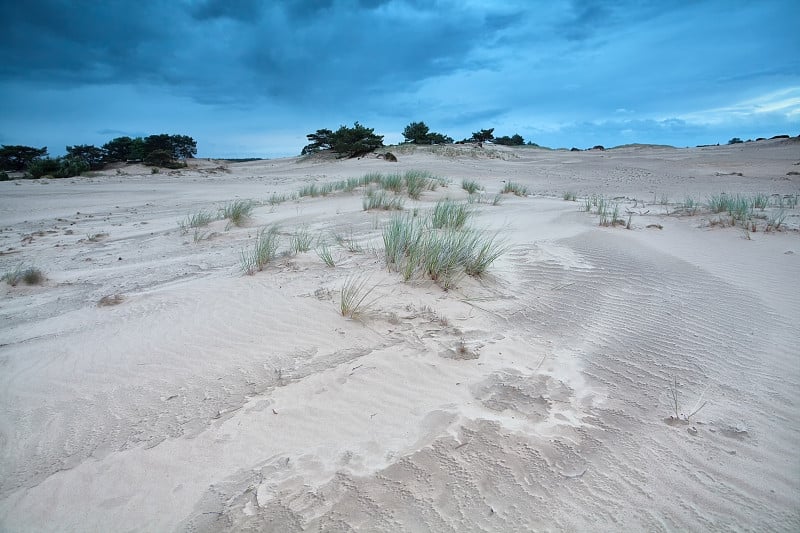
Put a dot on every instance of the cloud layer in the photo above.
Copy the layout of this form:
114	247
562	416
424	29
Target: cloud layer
247	77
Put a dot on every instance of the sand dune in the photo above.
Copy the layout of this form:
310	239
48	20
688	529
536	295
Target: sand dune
537	397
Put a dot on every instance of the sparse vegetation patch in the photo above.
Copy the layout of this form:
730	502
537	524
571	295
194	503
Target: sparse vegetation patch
238	211
29	275
264	250
515	188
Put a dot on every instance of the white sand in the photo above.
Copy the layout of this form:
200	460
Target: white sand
212	401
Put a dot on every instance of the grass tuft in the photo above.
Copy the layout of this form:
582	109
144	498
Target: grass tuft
355	292
392	182
471	186
28	275
324	253
381	200
264	250
516	188
448	214
417	181
196	220
238	211
301	241
414	247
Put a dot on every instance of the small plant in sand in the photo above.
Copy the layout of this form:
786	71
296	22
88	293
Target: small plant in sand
348	185
471	186
417	181
740	208
679	415
760	201
448	214
277	199
238	211
717	203
392	182
355	291
200	235
609	213
301	241
263	251
324	253
413	247
570	196
515	188
196	220
775	220
690	205
29	275
349	242
381	200
309	190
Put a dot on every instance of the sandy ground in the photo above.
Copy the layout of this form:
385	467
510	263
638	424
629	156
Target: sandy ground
535	398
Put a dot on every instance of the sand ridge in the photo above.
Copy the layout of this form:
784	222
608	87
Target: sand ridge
534	398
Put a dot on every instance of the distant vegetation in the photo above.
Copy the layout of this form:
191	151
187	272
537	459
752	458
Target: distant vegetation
161	150
346	141
360	140
418	133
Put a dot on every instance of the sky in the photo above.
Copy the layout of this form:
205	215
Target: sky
250	78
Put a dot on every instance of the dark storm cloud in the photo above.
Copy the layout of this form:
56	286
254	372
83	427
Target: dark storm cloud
77	42
245	68
244	50
241	10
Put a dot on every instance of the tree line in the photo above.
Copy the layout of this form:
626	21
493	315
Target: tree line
162	150
360	140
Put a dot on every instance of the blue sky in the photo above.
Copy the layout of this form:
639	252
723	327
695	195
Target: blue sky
250	78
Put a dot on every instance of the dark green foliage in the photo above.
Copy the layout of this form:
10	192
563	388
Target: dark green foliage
514	140
346	141
43	166
120	149
163	158
138	149
183	147
483	135
418	133
438	138
158	158
91	155
4	176
735	140
320	140
16	157
59	167
355	141
177	146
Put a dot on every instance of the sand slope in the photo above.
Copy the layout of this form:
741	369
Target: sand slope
534	398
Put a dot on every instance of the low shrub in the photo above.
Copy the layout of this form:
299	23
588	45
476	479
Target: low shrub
28	275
